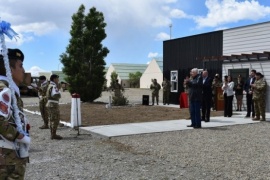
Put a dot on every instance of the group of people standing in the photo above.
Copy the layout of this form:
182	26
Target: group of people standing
12	138
255	90
155	87
201	91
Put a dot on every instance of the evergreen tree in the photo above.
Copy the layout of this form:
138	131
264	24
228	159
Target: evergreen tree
114	76
84	57
134	79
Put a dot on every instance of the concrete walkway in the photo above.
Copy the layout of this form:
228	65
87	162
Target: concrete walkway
165	126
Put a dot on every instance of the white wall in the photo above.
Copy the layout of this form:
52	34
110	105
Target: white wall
152	72
247	39
108	75
262	67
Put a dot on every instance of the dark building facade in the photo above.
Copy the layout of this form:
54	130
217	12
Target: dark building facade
182	54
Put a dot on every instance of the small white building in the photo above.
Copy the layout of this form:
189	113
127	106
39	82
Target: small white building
123	70
248	48
154	70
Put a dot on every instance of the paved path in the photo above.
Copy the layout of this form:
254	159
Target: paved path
163	126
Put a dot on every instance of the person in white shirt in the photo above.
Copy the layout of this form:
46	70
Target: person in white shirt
228	87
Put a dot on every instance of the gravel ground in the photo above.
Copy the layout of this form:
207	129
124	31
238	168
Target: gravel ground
232	152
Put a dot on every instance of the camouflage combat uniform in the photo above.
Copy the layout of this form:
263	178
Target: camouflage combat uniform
259	94
42	104
166	91
11	166
155	87
53	95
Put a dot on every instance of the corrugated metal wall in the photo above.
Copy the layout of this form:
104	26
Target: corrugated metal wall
247	39
180	54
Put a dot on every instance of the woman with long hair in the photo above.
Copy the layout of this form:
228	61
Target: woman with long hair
239	87
228	87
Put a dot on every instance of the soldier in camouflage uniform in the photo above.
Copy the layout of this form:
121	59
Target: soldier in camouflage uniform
166	91
155	87
11	165
259	94
43	101
53	95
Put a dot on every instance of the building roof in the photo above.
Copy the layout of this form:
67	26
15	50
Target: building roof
160	64
123	69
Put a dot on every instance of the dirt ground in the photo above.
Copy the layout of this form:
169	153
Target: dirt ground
93	114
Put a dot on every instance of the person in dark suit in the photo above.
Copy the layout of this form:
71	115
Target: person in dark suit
206	96
248	90
195	95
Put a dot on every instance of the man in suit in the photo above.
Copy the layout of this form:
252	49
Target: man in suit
195	95
249	93
206	96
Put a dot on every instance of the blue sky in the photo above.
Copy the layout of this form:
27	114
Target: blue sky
135	29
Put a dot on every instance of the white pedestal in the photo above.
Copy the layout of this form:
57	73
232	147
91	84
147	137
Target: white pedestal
75	111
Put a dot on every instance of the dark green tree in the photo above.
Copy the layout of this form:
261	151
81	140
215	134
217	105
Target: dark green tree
134	79
114	76
83	62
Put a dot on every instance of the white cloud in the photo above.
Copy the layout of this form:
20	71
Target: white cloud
162	36
177	13
37	28
227	11
153	55
35	70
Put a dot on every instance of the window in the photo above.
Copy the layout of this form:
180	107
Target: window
174	81
236	72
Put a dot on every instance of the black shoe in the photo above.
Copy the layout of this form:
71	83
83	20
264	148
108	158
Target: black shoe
197	127
203	120
207	120
237	110
190	125
247	116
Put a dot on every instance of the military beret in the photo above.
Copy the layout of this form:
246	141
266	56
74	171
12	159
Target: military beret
15	54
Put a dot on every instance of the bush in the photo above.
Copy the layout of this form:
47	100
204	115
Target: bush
119	100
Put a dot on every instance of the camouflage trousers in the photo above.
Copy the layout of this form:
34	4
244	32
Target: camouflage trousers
54	116
155	96
12	172
43	111
259	106
166	97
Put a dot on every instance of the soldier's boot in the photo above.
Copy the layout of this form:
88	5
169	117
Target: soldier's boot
157	101
55	136
45	126
263	118
256	118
